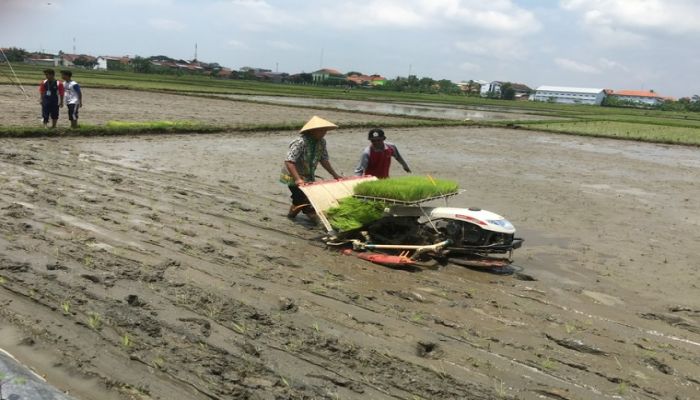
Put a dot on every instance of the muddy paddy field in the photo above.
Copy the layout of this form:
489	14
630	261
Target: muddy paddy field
162	267
103	105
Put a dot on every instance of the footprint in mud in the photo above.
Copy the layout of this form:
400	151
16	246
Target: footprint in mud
659	365
13	266
17	211
134	301
203	324
287	305
429	350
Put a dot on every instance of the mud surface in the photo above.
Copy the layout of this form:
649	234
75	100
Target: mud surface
164	268
103	105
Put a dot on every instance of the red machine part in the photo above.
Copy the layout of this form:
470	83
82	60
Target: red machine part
381	259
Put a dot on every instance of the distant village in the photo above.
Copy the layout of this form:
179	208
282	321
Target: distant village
332	77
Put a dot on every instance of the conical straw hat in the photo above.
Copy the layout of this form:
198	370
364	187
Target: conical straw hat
318	123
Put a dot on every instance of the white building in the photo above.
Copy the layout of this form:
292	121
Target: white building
569	95
639	96
493	89
101	63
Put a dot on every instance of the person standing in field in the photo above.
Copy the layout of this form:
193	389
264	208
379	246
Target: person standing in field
51	94
376	158
304	155
74	97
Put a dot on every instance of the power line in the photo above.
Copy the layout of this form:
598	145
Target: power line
19	83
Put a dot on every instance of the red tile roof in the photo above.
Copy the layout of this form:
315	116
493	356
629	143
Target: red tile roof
636	93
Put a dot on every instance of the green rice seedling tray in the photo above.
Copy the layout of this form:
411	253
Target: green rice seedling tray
406	189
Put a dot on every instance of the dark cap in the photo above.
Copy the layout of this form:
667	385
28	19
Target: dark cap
376	134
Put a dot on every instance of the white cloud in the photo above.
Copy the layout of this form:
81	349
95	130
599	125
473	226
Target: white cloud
282	45
602	64
164	24
611	64
374	13
250	15
469	67
640	16
502	48
236	44
576	66
493	16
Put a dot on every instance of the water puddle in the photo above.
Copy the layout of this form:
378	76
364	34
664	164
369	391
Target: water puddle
409	110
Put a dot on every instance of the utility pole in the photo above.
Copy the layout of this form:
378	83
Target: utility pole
410	70
277	68
195	51
74	45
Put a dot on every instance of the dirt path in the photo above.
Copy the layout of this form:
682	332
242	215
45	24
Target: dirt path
103	105
163	267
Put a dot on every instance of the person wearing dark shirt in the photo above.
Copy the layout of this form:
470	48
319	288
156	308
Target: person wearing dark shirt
51	94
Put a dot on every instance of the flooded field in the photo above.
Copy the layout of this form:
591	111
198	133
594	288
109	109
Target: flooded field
410	110
163	267
102	105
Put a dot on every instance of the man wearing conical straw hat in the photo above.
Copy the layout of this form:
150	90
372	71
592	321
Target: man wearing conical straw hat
304	155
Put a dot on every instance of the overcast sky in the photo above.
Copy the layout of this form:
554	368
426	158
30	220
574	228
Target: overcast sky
617	44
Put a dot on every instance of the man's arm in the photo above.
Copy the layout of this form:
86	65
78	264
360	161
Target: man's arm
292	168
328	167
61	93
79	92
400	159
364	162
42	90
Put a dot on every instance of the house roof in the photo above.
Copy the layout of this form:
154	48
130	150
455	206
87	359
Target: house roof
636	93
329	71
521	87
569	89
73	57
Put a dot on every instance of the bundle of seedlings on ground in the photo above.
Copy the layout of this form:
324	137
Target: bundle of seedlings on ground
406	188
352	213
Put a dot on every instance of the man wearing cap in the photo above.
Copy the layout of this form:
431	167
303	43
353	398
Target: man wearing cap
376	158
304	155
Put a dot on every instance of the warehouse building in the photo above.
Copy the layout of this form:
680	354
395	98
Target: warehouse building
569	95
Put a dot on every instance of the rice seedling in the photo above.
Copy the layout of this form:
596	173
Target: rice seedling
622	388
241	329
65	306
352	213
127	341
95	321
158	362
407	188
548	364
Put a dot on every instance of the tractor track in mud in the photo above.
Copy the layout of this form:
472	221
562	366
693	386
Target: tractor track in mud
163	283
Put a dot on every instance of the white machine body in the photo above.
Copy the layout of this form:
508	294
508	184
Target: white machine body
482	218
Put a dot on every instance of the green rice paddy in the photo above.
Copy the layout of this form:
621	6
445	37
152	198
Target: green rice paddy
647	132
